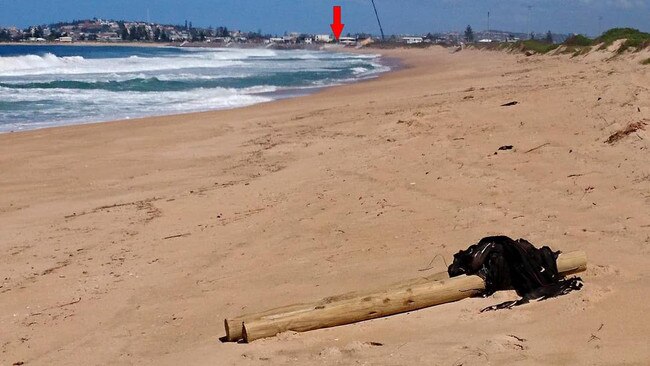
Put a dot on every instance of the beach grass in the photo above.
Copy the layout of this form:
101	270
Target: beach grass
537	46
578	40
634	39
580	45
646	61
580	51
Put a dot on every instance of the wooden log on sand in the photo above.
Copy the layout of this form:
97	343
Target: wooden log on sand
365	308
351	308
235	326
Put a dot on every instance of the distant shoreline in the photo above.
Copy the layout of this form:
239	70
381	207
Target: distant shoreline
331	47
88	44
313	47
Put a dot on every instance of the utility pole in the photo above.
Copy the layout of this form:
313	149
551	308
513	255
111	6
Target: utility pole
378	21
530	8
600	24
488	23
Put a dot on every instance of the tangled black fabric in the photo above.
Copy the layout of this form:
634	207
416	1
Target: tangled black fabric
514	264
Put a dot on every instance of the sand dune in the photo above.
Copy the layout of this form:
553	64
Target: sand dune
129	242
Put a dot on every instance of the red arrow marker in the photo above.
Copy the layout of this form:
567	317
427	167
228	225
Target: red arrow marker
337	26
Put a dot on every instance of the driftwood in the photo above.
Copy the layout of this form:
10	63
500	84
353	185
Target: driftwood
234	326
353	307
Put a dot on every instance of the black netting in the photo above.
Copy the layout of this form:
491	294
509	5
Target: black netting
507	264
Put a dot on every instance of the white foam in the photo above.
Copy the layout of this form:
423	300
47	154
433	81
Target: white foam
50	64
101	105
359	70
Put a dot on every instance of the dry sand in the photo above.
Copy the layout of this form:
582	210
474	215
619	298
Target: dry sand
352	188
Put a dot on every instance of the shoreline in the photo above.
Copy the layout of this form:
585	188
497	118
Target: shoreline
393	63
129	243
88	44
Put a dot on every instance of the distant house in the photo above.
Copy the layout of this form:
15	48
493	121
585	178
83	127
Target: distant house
323	38
108	37
347	40
485	40
290	39
223	39
15	32
412	40
65	39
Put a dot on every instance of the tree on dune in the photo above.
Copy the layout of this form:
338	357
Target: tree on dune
469	34
549	37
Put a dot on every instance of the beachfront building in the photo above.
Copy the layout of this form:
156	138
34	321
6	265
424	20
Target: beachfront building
292	38
349	41
223	40
108	37
323	38
412	40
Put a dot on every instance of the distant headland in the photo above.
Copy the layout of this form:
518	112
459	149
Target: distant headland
103	31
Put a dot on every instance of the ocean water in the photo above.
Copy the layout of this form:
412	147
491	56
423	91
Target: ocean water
43	86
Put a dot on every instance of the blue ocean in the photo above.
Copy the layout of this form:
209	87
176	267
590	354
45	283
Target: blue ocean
43	86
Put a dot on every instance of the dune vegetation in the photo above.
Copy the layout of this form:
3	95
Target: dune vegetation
633	40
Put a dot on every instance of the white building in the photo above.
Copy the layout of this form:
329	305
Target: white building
413	40
347	40
324	38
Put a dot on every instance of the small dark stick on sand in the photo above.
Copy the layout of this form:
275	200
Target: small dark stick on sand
538	147
510	104
177	236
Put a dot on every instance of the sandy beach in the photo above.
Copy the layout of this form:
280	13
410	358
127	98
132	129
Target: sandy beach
129	242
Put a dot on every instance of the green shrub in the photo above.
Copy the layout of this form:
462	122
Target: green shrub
578	40
633	38
646	61
537	46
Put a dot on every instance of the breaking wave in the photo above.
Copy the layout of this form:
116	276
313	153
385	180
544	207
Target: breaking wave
53	85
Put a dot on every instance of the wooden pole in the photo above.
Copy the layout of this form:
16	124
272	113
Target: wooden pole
365	308
572	263
351	308
235	326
